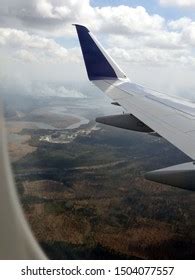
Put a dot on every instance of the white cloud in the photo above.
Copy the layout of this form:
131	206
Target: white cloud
25	55
127	20
179	3
56	16
186	29
180	23
188	34
53	17
45	9
34	48
154	57
42	89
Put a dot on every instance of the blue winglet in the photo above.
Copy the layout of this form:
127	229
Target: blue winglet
96	63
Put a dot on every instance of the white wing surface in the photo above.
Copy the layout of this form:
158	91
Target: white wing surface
171	117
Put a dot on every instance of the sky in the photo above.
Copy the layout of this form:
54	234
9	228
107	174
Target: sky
153	41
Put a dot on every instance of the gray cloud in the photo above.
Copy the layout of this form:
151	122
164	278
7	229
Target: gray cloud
51	16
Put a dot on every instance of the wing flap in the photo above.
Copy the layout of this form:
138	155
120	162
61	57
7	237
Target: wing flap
125	121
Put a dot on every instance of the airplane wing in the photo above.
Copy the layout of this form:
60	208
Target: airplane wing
16	239
170	117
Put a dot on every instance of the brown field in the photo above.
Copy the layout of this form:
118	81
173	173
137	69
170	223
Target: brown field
20	147
68	216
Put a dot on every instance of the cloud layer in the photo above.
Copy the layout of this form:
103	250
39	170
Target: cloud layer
30	32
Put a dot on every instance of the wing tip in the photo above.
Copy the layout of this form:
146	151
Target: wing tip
80	27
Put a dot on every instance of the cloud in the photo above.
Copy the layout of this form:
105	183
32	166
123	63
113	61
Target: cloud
52	16
153	57
180	23
168	47
22	83
43	89
127	20
55	17
188	34
179	3
186	27
33	48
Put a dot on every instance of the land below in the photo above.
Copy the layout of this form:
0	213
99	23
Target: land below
83	190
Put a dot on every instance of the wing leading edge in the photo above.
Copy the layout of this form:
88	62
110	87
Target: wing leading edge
170	117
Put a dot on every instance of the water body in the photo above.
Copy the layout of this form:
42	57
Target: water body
63	112
78	124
